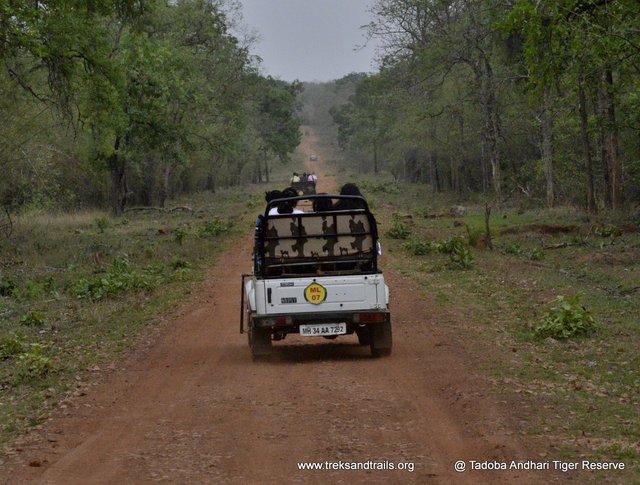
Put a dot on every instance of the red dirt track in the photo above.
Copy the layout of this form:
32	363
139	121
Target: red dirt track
192	407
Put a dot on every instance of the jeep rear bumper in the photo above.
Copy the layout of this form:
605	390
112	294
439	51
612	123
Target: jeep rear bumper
290	323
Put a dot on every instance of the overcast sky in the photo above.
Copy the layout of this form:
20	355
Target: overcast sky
310	40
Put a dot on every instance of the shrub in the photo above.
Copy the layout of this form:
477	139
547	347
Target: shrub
10	346
213	228
608	231
565	319
452	245
33	319
461	257
101	223
153	270
181	274
179	263
8	287
536	254
33	364
120	278
31	291
578	239
513	249
398	230
473	235
179	235
420	248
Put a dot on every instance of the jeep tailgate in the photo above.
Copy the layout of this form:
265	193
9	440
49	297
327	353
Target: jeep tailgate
321	294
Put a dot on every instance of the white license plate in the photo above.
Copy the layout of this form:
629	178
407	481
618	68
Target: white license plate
323	330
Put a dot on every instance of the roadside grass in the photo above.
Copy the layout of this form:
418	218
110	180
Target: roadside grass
78	290
579	398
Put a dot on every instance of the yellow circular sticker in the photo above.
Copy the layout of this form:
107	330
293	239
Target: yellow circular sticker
315	293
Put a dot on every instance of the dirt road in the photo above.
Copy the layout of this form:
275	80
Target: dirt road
194	408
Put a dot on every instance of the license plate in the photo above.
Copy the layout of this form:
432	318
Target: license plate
323	330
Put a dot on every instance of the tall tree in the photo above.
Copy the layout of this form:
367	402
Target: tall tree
277	123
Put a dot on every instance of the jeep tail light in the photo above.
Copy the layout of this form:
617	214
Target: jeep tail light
283	321
376	317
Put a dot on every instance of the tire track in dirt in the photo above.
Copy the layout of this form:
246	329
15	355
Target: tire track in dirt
194	407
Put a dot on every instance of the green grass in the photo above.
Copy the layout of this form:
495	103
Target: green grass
79	292
577	398
77	289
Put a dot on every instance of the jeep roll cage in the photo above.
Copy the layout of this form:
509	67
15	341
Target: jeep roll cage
334	242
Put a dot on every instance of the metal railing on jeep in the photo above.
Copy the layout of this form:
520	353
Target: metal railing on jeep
333	242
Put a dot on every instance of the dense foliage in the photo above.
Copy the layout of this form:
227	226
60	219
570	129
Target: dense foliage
131	101
535	99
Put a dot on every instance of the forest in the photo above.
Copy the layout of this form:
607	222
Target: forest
128	102
534	101
498	146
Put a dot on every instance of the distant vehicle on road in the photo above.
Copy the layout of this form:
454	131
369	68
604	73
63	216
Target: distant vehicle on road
313	158
305	188
305	184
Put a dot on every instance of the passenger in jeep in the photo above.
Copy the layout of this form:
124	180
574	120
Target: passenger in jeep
346	204
322	205
287	206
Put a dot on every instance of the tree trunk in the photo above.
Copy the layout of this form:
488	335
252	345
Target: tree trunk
257	173
609	143
118	180
375	157
547	154
491	129
458	182
433	172
604	159
584	128
487	228
453	171
612	144
483	166
266	166
404	168
145	195
210	184
164	188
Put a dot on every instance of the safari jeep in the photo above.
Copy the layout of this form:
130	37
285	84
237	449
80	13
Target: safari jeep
316	274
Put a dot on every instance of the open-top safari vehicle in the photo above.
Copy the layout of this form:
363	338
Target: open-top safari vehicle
305	187
316	274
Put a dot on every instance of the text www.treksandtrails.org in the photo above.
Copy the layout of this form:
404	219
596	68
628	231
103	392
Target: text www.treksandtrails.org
357	465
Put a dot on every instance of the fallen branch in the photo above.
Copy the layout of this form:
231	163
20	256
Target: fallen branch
629	291
542	228
562	245
137	209
159	209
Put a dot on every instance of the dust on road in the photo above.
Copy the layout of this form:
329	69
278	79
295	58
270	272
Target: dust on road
195	408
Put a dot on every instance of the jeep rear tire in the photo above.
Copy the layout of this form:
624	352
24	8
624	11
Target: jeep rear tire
381	339
364	335
260	342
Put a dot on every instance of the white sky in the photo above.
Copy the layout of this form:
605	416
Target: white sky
310	40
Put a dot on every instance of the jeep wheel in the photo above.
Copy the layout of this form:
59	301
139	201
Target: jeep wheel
260	342
364	335
381	339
